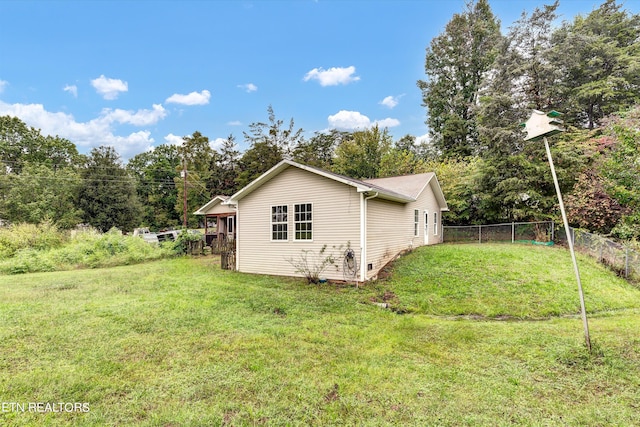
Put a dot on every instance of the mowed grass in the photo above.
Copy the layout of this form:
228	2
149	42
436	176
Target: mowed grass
180	342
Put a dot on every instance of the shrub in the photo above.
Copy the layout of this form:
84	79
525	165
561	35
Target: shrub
34	236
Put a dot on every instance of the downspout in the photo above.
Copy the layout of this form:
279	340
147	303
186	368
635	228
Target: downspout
363	234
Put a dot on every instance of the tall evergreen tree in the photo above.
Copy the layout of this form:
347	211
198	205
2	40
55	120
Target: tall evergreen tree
456	61
225	167
598	59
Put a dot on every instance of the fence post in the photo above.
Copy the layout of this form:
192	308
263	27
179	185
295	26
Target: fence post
626	263
513	232
479	234
553	231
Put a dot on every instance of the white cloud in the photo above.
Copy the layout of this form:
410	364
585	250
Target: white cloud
349	120
216	143
173	139
73	89
194	98
138	118
235	123
390	101
3	84
249	87
353	120
387	123
93	133
333	76
109	88
423	139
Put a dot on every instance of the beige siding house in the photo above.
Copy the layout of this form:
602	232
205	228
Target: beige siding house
294	210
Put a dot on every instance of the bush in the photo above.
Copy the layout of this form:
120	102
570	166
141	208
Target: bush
33	236
86	249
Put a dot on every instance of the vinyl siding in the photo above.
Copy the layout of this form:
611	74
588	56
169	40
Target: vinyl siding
336	223
220	209
390	228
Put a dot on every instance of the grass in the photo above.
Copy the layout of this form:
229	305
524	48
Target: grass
37	249
180	342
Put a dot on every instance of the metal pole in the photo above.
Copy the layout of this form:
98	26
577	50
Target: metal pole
570	241
513	232
184	192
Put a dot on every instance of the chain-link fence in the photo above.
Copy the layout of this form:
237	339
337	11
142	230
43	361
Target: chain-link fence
622	259
536	232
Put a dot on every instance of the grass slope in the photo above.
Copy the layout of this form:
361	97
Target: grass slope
504	281
180	342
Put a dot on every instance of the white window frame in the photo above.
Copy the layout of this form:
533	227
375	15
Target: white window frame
230	224
302	221
280	223
416	222
435	223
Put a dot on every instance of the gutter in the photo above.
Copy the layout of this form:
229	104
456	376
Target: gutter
363	233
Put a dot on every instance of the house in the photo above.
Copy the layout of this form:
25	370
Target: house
293	211
221	216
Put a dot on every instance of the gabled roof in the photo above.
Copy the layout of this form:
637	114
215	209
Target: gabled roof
400	189
412	186
211	203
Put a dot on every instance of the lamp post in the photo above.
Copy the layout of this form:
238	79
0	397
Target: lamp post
540	126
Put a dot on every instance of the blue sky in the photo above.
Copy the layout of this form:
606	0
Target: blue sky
137	74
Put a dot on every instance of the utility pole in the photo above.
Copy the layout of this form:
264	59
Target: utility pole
184	191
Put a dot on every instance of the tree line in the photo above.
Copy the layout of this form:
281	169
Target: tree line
480	85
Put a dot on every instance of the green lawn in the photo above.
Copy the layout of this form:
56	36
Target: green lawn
180	342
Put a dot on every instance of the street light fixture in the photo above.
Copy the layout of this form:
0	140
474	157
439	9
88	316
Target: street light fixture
539	126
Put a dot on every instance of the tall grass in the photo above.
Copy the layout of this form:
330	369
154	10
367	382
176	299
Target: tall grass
44	248
41	236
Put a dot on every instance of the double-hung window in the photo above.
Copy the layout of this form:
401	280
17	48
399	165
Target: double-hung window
279	223
416	222
303	221
435	223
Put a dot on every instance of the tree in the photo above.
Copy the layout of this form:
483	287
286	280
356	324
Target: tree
319	150
456	61
459	182
107	195
269	144
42	193
39	179
197	157
224	168
360	155
20	144
621	169
155	172
598	57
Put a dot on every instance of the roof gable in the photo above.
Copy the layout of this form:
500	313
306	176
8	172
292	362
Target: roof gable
400	189
218	200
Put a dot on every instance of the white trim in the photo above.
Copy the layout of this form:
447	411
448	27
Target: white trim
271	223
435	223
295	239
426	226
416	223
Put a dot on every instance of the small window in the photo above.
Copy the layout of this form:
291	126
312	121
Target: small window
435	223
416	222
303	221
279	223
230	223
